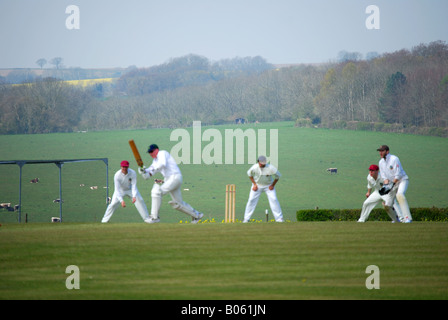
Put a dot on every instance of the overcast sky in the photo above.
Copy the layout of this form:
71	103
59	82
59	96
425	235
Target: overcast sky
117	33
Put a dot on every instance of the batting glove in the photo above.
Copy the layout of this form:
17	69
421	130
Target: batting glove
141	170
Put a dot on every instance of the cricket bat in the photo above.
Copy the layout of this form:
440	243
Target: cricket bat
137	156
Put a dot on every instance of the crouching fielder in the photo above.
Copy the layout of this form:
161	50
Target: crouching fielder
125	181
374	184
166	165
261	175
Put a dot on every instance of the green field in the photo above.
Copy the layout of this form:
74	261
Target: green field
304	156
172	260
309	260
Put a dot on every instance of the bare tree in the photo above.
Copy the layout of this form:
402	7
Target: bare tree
41	62
57	62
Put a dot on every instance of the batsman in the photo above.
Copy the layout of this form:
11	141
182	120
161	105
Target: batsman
167	166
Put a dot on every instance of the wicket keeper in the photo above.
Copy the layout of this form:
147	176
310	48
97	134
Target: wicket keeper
374	184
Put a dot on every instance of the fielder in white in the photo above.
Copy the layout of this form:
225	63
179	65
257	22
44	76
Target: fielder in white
264	177
392	171
374	184
167	166
125	181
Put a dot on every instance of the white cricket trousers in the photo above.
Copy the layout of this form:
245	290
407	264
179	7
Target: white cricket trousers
254	196
402	207
115	203
374	199
172	185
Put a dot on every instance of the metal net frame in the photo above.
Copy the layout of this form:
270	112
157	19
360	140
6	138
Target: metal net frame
59	164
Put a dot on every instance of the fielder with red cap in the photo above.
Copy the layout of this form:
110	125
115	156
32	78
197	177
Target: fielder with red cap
125	181
374	184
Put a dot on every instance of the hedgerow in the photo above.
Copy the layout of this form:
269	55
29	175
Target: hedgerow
378	214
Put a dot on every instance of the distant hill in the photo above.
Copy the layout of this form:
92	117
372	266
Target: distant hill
404	91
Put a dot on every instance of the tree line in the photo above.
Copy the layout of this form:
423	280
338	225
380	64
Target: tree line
403	89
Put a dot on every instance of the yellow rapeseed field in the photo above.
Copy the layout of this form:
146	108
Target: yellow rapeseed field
83	83
89	82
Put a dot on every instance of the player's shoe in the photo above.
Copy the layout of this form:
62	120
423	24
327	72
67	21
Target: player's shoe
199	217
152	220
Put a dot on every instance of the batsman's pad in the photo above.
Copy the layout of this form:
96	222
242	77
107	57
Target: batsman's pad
185	209
386	189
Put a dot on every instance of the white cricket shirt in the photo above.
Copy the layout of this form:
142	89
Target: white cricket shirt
373	184
391	168
264	176
125	183
165	164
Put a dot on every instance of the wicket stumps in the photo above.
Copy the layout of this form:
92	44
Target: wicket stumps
230	203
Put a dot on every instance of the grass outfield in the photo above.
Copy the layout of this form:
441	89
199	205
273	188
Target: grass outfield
309	260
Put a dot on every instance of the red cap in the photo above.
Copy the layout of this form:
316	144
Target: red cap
125	163
374	167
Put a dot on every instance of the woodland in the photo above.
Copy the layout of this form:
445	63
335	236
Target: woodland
402	91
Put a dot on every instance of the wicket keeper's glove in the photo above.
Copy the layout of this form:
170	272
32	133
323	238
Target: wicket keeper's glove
386	189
